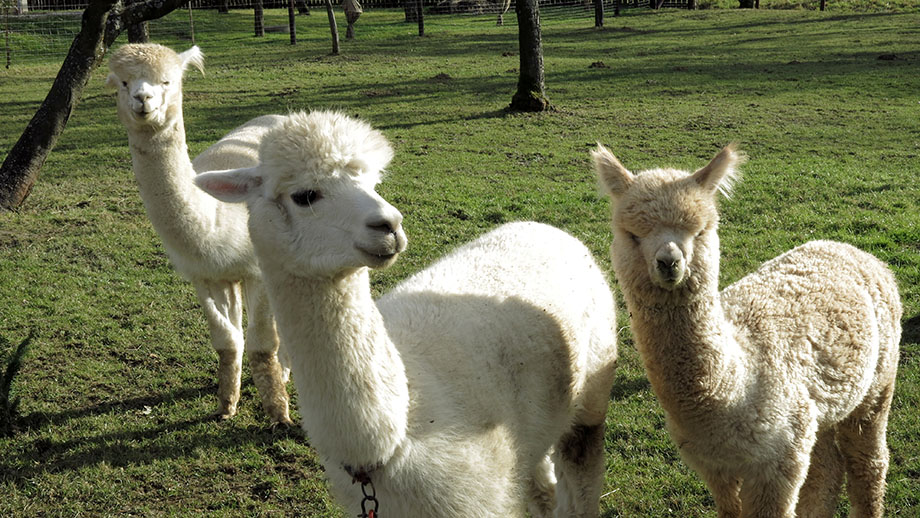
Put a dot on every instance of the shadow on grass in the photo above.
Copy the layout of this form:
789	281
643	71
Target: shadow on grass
623	388
131	445
910	330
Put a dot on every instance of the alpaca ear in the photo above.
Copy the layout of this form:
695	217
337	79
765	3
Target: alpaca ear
721	173
111	82
192	57
614	179
232	185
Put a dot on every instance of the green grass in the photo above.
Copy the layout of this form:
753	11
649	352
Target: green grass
120	377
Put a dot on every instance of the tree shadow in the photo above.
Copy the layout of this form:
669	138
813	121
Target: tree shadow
130	445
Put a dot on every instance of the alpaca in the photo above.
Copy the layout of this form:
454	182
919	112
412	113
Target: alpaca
468	389
207	241
780	384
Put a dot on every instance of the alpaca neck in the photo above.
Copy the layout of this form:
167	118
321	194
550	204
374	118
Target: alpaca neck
688	348
165	176
351	382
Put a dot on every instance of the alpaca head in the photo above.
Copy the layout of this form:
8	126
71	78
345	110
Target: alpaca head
665	221
148	78
313	208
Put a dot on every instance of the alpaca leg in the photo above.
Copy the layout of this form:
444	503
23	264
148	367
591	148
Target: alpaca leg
772	492
223	310
820	493
725	491
262	349
862	439
543	490
580	463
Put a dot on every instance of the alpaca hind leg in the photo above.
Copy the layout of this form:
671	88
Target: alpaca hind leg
223	310
579	459
821	491
542	490
262	349
862	439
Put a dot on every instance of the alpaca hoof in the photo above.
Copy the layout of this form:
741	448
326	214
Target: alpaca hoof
222	416
282	424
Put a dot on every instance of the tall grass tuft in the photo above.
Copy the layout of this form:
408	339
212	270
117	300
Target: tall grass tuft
9	406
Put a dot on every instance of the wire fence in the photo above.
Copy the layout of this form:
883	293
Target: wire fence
41	31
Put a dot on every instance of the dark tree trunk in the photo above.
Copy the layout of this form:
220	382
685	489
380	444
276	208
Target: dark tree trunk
421	18
746	4
258	18
137	32
823	4
598	13
616	7
292	26
691	4
102	22
223	6
530	95
411	9
333	27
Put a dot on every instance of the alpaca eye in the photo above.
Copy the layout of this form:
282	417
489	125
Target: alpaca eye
305	198
124	84
165	83
634	238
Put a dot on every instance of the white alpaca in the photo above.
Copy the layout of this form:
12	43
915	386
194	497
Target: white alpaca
779	384
452	392
207	241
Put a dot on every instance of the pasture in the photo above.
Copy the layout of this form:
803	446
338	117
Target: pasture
119	383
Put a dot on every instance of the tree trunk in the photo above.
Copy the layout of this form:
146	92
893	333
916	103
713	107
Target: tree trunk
411	11
137	32
421	18
746	4
598	13
102	22
292	26
530	95
258	18
616	7
223	6
823	4
333	27
691	4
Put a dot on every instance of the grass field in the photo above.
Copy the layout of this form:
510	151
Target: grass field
120	378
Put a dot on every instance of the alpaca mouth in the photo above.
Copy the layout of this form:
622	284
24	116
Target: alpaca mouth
378	259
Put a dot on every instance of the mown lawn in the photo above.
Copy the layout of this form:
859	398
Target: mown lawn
119	383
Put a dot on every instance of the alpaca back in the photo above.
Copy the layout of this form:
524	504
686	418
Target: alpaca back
826	308
514	327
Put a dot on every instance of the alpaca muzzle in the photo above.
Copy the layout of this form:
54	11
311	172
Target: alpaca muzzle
670	266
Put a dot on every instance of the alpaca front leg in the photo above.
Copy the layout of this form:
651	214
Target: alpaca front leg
772	491
222	304
542	490
725	491
580	471
262	347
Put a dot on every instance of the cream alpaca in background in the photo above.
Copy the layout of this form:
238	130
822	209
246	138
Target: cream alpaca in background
207	241
779	384
459	390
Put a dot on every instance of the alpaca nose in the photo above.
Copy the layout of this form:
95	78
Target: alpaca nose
668	260
388	222
382	225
